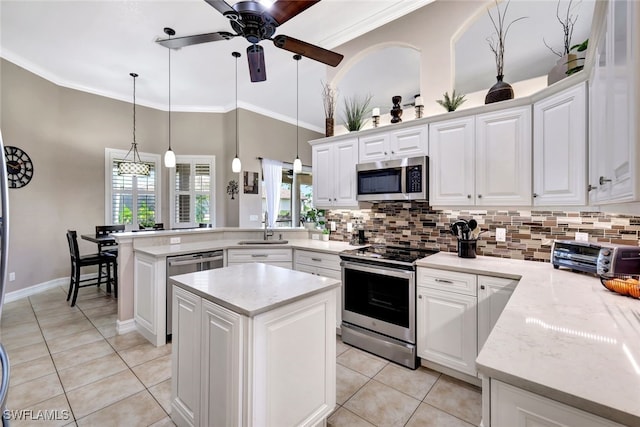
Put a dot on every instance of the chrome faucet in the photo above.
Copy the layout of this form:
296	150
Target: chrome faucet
267	233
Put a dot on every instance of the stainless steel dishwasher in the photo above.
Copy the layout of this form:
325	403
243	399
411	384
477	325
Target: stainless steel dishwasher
190	263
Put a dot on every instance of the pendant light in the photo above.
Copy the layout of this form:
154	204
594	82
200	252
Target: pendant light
135	166
297	163
236	166
169	156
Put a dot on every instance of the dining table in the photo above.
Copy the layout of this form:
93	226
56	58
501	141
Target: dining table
99	240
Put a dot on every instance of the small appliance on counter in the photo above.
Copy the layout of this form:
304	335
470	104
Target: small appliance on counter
596	258
467	233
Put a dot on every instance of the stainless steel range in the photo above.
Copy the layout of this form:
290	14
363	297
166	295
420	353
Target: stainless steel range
379	301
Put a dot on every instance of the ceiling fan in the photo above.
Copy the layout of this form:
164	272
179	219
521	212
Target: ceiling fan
256	22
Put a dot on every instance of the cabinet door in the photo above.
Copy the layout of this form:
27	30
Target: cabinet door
512	406
452	168
322	157
446	329
149	298
374	147
185	358
493	295
559	149
221	366
503	158
410	142
344	174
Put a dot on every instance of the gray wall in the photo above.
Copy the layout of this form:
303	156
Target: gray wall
65	132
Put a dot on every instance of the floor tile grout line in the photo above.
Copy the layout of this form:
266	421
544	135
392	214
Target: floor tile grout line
448	413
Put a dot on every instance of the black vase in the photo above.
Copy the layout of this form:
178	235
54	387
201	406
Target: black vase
501	91
396	111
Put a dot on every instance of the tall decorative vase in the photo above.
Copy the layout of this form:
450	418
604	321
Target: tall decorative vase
396	111
328	126
501	91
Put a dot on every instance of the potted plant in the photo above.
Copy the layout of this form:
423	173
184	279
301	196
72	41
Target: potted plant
567	60
325	235
329	95
356	112
453	102
310	217
578	48
501	91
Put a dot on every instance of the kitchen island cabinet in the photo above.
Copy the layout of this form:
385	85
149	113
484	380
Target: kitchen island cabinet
250	349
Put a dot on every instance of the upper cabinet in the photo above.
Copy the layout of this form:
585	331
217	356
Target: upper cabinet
614	90
394	144
560	149
334	174
482	160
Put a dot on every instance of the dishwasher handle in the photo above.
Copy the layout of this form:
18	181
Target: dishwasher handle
212	257
185	260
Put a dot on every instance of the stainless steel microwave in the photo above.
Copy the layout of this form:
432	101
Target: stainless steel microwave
400	179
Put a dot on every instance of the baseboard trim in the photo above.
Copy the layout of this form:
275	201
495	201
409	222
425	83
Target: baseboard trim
41	287
125	326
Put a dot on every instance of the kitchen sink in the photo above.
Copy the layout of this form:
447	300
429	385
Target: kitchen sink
263	242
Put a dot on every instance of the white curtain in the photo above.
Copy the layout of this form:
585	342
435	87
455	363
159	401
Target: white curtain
272	170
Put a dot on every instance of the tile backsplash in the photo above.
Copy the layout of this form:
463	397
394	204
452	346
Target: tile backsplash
530	233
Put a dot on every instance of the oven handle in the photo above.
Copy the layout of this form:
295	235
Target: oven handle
378	270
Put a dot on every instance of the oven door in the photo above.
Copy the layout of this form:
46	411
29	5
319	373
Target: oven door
380	299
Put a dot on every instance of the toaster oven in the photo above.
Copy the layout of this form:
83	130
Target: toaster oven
596	258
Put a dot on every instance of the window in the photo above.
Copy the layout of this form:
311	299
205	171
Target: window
192	191
132	201
295	196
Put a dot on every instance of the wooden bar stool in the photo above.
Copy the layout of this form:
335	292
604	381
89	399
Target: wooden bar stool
78	261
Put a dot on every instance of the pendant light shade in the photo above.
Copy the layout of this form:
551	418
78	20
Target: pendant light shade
297	163
169	156
135	166
236	165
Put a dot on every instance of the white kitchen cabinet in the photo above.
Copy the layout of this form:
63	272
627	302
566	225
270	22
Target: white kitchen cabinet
334	174
280	257
493	295
512	406
394	144
503	158
614	89
452	169
560	149
482	160
447	319
149	297
233	370
321	264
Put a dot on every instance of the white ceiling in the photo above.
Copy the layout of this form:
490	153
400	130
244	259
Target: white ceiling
94	45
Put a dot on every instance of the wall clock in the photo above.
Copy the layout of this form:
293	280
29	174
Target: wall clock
19	167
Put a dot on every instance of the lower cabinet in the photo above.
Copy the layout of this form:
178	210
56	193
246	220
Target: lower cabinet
274	369
149	297
512	406
455	314
321	264
280	257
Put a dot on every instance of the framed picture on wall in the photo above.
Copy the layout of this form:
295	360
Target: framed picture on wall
250	182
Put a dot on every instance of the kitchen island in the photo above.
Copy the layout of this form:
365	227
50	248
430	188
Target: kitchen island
253	345
564	347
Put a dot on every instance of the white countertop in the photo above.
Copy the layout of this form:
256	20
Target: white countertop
251	289
562	335
185	248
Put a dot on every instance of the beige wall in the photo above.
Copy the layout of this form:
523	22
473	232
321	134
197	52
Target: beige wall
65	132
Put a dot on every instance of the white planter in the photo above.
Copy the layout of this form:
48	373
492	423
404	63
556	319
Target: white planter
325	237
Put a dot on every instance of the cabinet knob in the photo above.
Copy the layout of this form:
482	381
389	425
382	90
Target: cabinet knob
385	153
393	152
592	187
603	180
481	286
479	196
535	195
419	296
468	196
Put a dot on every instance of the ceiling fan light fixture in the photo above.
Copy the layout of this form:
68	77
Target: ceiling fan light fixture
135	166
236	165
169	156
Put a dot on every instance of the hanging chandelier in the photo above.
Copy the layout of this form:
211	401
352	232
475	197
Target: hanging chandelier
297	163
135	166
169	156
236	166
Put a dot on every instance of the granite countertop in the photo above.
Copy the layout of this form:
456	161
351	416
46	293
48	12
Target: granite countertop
185	248
251	289
562	335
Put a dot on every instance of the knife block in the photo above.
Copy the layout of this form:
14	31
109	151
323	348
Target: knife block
467	248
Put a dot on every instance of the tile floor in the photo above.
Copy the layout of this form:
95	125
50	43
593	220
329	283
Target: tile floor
69	363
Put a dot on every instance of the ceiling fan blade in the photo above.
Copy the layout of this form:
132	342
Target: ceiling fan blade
257	70
283	10
308	50
178	42
221	6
